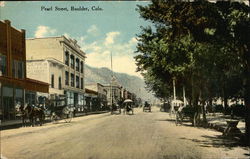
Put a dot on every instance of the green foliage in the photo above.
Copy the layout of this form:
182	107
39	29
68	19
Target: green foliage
203	46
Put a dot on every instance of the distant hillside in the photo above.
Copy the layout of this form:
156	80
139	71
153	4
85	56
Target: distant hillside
132	83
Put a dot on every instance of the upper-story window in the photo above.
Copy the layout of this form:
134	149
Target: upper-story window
72	80
77	64
81	67
72	61
20	69
67	58
17	69
77	82
52	81
81	83
66	78
3	69
59	83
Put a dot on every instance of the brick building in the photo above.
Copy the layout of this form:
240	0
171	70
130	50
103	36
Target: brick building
15	87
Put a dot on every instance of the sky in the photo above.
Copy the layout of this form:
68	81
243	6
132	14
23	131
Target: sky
111	28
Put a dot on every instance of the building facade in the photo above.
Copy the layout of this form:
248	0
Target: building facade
116	96
64	61
15	87
91	98
102	94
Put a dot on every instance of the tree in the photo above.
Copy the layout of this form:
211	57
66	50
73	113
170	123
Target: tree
203	45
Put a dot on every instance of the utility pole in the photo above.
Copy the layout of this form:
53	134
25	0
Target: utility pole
111	89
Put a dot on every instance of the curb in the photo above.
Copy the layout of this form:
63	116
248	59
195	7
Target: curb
19	123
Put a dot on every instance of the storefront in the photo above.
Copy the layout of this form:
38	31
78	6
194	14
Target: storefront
74	98
15	88
13	96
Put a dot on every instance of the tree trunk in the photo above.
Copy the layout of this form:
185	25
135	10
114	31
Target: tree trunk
204	117
247	104
210	105
196	117
225	99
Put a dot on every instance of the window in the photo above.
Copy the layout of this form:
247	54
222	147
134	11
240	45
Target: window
20	69
3	65
66	78
77	64
70	97
59	83
77	82
72	61
72	80
81	67
14	69
67	58
52	81
17	69
81	83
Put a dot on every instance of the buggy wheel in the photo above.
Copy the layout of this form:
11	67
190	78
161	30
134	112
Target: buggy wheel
68	117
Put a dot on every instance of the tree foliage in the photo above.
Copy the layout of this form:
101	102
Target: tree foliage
204	46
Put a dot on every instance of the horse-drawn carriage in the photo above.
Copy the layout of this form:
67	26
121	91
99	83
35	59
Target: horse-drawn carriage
147	107
58	109
128	106
53	109
182	112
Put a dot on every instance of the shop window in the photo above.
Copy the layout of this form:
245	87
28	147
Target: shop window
18	97
66	78
3	69
70	98
30	98
8	104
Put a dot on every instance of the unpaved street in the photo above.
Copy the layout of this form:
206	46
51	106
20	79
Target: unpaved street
104	136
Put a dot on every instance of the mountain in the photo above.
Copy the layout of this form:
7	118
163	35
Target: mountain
131	83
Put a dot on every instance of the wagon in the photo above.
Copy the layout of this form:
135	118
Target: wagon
184	113
128	106
59	110
147	107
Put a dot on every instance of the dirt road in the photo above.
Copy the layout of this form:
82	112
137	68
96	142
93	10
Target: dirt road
104	136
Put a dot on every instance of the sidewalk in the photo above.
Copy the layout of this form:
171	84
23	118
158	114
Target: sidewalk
18	123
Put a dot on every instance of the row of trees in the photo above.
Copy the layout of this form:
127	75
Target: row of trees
203	46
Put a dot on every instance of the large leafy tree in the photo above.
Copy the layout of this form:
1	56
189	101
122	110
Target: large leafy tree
202	45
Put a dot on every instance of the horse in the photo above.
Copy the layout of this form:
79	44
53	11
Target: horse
179	115
23	112
37	113
32	113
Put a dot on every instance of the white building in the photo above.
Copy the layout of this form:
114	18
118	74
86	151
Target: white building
60	62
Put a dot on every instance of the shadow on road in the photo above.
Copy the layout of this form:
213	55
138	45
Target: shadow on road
217	141
184	122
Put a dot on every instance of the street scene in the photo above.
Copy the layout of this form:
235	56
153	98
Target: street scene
147	135
125	79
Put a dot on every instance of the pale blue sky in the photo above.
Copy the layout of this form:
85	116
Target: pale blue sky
98	32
